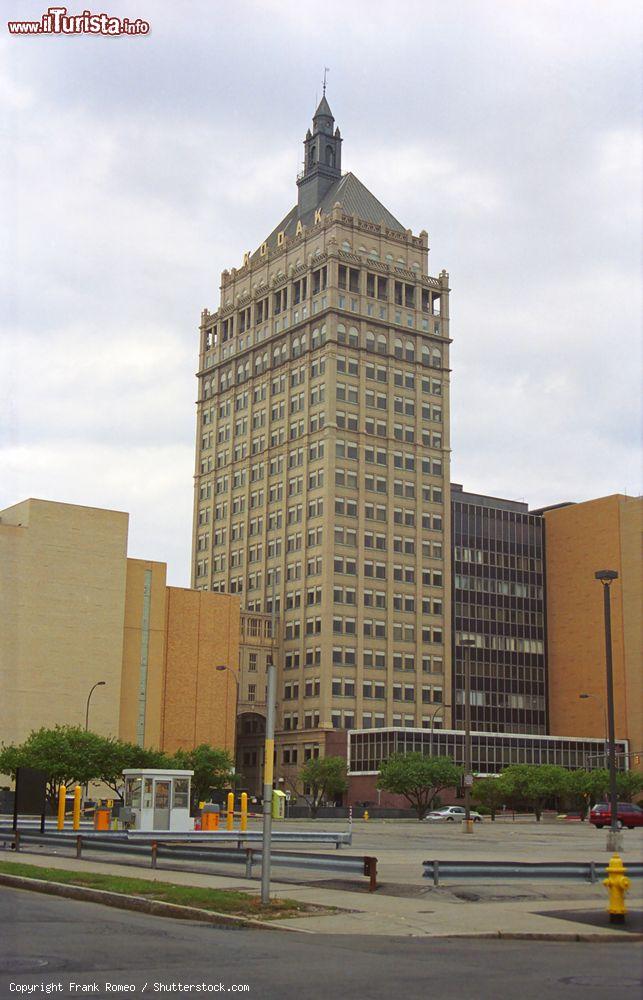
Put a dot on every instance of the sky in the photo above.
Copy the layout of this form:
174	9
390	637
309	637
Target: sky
135	169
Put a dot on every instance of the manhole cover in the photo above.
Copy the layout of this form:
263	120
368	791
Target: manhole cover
22	964
606	983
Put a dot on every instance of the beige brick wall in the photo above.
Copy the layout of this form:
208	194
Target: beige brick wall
134	640
62	591
583	538
202	632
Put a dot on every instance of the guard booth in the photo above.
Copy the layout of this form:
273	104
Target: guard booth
157	800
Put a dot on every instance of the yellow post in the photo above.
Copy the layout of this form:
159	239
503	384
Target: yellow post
77	796
617	885
244	811
230	816
62	795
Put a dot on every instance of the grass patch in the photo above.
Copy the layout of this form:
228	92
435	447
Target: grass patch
230	901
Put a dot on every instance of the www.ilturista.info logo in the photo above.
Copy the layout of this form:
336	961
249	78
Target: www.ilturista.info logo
58	22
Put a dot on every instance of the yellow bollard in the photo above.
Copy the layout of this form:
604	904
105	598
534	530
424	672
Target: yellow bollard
617	885
366	816
230	816
76	815
244	811
62	795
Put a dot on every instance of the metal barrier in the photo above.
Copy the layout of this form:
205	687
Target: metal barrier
199	836
495	871
155	849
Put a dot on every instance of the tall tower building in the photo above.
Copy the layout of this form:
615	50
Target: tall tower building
322	460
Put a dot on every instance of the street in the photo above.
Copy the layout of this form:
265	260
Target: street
48	941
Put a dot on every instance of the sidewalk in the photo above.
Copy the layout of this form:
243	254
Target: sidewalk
418	911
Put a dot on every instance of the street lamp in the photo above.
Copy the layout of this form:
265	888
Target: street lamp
220	667
468	776
435	712
606	576
96	685
584	697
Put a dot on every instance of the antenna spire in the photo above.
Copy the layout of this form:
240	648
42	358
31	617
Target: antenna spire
326	70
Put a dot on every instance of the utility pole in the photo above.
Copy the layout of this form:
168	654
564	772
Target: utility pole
468	776
606	576
269	758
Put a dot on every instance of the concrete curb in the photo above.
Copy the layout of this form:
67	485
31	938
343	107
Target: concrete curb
139	904
174	910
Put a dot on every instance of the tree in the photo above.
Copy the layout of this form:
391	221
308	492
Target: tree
324	777
490	792
535	784
71	756
628	784
418	778
213	768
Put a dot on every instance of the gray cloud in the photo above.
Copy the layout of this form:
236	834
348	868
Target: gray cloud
138	169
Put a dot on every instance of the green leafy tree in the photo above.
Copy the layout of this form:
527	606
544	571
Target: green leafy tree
322	778
418	778
628	784
71	756
213	769
578	791
490	792
534	784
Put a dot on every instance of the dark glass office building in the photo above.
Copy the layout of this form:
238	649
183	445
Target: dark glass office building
498	602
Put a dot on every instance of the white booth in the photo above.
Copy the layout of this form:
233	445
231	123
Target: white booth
158	799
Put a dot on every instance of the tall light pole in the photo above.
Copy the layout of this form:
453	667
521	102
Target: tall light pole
269	757
220	667
434	713
584	696
606	576
468	776
96	685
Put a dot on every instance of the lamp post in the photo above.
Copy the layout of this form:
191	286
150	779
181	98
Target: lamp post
434	713
606	576
468	776
269	755
96	685
583	697
220	667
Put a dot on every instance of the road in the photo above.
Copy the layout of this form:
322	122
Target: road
50	941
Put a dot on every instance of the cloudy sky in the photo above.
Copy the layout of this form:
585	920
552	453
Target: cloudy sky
134	170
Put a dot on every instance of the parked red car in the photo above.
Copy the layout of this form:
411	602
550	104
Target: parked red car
626	815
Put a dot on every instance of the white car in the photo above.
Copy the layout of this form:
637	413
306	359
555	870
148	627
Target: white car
451	814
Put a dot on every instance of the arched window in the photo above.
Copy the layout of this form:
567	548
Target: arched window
381	344
296	350
206	389
436	358
353	337
322	334
399	349
370	341
240	373
246	370
426	355
410	350
265	362
330	156
346	246
284	352
275	356
258	364
314	340
304	342
313	155
341	333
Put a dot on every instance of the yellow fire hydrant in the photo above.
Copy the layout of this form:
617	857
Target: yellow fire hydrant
366	816
617	885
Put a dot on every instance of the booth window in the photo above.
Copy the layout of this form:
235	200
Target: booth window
133	793
181	788
148	786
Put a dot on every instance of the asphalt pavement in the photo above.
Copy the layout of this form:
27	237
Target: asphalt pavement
47	943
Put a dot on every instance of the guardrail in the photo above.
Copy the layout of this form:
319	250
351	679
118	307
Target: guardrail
590	871
155	849
197	836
